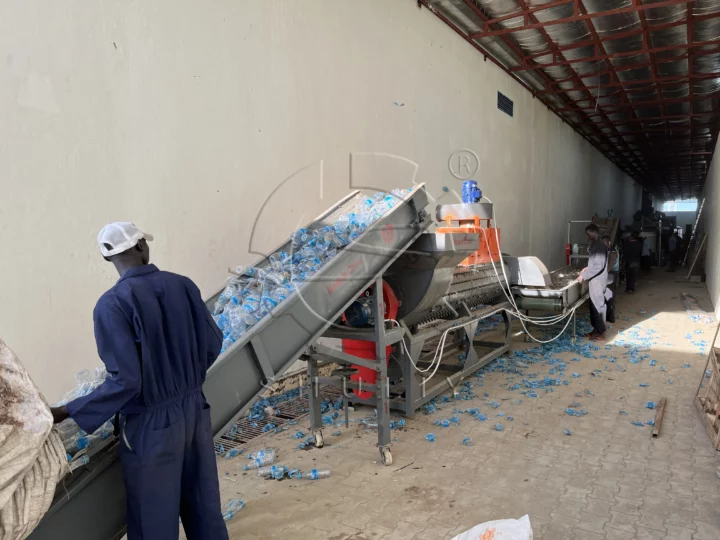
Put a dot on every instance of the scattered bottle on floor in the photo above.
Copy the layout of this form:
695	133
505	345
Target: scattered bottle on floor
260	459
232	508
271	470
316	474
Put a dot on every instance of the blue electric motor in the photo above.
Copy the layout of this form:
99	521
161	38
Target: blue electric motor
470	192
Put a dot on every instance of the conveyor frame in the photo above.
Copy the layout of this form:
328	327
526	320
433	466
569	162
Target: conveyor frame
243	372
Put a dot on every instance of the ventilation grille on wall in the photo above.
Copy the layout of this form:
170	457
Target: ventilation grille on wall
505	104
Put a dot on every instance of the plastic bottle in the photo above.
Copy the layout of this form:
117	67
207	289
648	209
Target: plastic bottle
261	453
262	459
275	261
248	271
272	276
227	294
316	474
81	442
79	462
233	508
272	470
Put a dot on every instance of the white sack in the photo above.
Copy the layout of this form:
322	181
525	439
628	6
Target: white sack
32	456
503	529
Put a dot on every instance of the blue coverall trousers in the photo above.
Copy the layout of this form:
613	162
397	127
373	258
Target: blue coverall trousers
169	465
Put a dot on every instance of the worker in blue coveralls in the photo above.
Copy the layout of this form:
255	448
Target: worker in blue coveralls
157	340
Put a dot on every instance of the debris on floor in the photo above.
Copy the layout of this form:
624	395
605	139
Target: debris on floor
507	529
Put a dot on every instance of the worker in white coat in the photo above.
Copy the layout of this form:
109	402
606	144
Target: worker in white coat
596	274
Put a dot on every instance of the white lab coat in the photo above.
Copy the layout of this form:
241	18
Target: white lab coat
596	274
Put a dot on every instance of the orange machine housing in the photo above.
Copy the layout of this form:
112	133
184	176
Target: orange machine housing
488	245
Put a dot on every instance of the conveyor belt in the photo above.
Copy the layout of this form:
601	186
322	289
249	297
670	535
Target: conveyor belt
90	505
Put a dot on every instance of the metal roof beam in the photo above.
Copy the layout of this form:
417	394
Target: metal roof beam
619	84
600	123
618	35
576	17
637	104
624	54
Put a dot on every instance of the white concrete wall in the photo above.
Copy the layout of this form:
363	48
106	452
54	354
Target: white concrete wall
710	223
185	116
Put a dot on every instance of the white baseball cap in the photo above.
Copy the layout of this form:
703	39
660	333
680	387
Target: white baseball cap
120	236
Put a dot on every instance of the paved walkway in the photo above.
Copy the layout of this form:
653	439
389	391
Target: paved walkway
607	480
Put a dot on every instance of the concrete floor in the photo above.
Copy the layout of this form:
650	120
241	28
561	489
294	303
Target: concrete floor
607	480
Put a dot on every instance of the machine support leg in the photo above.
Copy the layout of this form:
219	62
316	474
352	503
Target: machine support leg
314	401
508	327
346	406
382	395
574	331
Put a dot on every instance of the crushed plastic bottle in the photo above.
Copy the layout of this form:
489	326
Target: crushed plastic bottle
266	457
316	474
430	437
270	470
262	453
232	508
74	439
79	462
650	405
233	452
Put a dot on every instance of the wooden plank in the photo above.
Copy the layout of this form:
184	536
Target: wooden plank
708	425
697	255
659	417
707	397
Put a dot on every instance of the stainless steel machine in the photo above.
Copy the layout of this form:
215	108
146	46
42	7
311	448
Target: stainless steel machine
420	300
394	297
536	289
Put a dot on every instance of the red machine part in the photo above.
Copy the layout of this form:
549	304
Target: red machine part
366	349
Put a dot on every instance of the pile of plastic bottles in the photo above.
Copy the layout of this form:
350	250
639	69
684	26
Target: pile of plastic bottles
252	293
77	443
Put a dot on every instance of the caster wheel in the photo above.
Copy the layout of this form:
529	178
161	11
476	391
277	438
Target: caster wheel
386	456
319	442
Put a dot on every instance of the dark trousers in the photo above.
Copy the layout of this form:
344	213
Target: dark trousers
645	263
610	304
596	320
631	276
672	256
168	460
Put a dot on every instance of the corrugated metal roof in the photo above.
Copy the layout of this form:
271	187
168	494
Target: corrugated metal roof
639	79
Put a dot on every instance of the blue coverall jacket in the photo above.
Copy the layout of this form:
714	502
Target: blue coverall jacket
157	340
